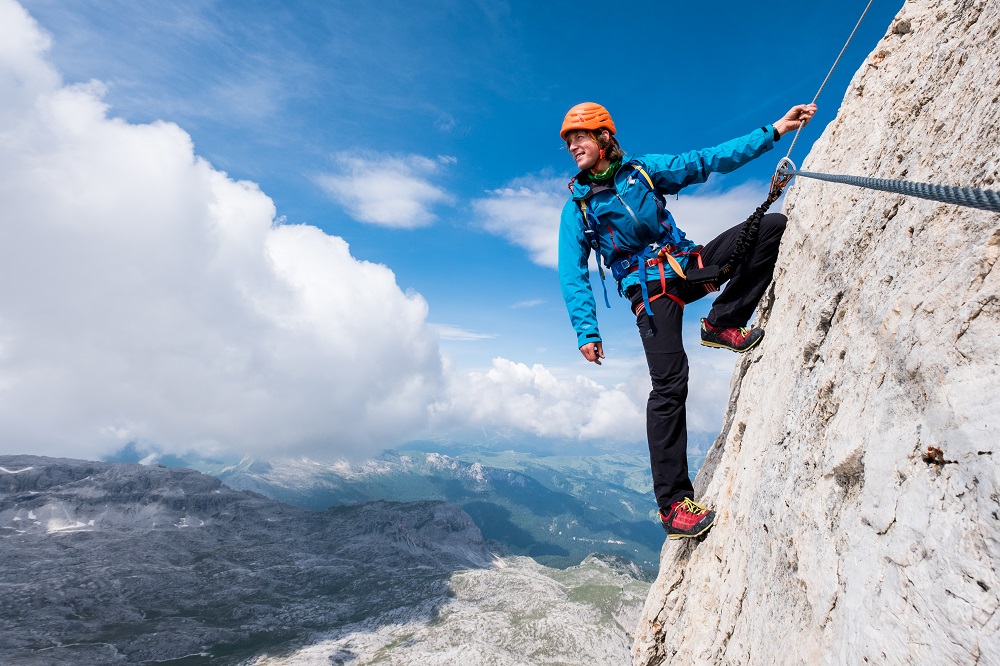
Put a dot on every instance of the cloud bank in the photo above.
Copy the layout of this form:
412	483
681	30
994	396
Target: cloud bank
148	297
526	213
533	399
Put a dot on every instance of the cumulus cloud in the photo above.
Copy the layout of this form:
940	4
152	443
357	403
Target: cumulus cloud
389	190
534	400
526	213
710	210
150	298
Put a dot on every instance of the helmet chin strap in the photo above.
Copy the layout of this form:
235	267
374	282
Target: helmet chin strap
594	169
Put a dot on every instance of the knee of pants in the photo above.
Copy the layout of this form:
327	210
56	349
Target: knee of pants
661	402
670	383
773	223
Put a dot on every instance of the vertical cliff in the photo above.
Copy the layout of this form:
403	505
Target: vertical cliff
840	539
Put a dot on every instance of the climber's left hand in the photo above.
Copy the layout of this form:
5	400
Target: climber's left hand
798	116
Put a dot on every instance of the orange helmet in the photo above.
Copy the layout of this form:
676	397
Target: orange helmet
587	116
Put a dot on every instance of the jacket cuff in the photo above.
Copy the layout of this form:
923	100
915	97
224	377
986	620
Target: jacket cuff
586	338
773	130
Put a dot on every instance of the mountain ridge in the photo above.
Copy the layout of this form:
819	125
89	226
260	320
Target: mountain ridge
555	509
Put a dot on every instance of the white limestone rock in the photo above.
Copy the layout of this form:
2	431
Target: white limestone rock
838	540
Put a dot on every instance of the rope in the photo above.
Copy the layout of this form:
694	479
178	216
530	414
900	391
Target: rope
745	242
830	73
960	196
747	239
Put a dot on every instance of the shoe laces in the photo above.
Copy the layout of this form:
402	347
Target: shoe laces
693	507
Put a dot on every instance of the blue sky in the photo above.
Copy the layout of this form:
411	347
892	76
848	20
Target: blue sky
425	135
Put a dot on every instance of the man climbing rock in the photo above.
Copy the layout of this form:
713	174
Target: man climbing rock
617	208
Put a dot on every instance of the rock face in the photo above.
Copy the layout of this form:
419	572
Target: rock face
855	477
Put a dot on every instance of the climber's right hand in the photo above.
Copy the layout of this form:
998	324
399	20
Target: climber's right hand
593	352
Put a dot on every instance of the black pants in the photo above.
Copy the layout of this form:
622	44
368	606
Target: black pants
666	418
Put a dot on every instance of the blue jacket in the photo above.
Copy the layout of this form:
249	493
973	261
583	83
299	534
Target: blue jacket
629	219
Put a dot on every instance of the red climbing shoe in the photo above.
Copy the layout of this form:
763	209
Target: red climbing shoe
687	519
738	340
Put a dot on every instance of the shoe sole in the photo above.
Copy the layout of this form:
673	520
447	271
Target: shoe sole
674	537
705	343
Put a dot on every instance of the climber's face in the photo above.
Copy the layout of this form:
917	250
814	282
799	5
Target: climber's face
584	149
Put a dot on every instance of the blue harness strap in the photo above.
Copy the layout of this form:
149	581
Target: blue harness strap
654	254
590	231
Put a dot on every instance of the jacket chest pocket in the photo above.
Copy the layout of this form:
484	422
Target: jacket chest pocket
627	221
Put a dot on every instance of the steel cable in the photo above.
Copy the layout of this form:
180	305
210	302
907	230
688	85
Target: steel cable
961	196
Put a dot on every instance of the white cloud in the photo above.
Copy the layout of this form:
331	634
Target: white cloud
708	387
455	333
388	190
534	400
710	210
526	212
151	298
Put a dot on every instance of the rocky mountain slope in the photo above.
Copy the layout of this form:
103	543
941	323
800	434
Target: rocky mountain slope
104	563
514	614
554	509
856	474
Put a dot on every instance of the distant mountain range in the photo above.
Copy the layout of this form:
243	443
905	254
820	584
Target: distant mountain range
106	563
557	509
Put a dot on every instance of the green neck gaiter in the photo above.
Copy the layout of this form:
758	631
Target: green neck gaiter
604	175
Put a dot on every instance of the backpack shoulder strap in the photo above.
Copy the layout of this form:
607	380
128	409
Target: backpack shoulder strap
591	234
638	167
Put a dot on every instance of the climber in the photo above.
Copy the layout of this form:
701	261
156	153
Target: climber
617	209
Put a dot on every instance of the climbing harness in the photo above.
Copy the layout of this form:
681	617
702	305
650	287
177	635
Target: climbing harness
663	251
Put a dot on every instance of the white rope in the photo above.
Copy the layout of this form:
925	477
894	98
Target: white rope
830	73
